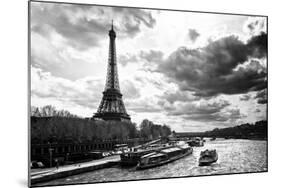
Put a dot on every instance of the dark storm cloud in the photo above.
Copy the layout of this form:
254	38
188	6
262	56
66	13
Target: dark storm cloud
82	29
193	35
261	97
257	46
215	69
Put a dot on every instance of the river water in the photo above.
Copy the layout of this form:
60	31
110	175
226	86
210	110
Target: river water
234	156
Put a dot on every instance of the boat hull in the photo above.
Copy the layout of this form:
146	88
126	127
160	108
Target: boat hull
207	162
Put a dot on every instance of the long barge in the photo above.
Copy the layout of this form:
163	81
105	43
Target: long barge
163	156
132	158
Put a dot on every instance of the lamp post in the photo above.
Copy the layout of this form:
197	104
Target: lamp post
67	155
51	153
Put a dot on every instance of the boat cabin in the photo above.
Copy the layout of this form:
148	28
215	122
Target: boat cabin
120	147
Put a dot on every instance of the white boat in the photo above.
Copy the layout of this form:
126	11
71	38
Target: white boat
208	157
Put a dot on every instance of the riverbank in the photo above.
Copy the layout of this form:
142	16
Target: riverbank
43	175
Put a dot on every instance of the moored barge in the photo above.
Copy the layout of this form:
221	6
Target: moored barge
197	142
163	156
132	158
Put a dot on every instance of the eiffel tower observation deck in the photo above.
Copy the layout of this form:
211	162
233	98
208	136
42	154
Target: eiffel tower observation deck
112	106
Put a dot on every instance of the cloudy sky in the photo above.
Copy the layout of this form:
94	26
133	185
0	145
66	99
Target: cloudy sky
191	71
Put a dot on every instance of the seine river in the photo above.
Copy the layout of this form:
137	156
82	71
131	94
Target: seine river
235	156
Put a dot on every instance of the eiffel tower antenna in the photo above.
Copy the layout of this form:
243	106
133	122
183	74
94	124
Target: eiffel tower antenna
112	106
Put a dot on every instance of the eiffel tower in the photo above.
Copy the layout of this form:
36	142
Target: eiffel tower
112	106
